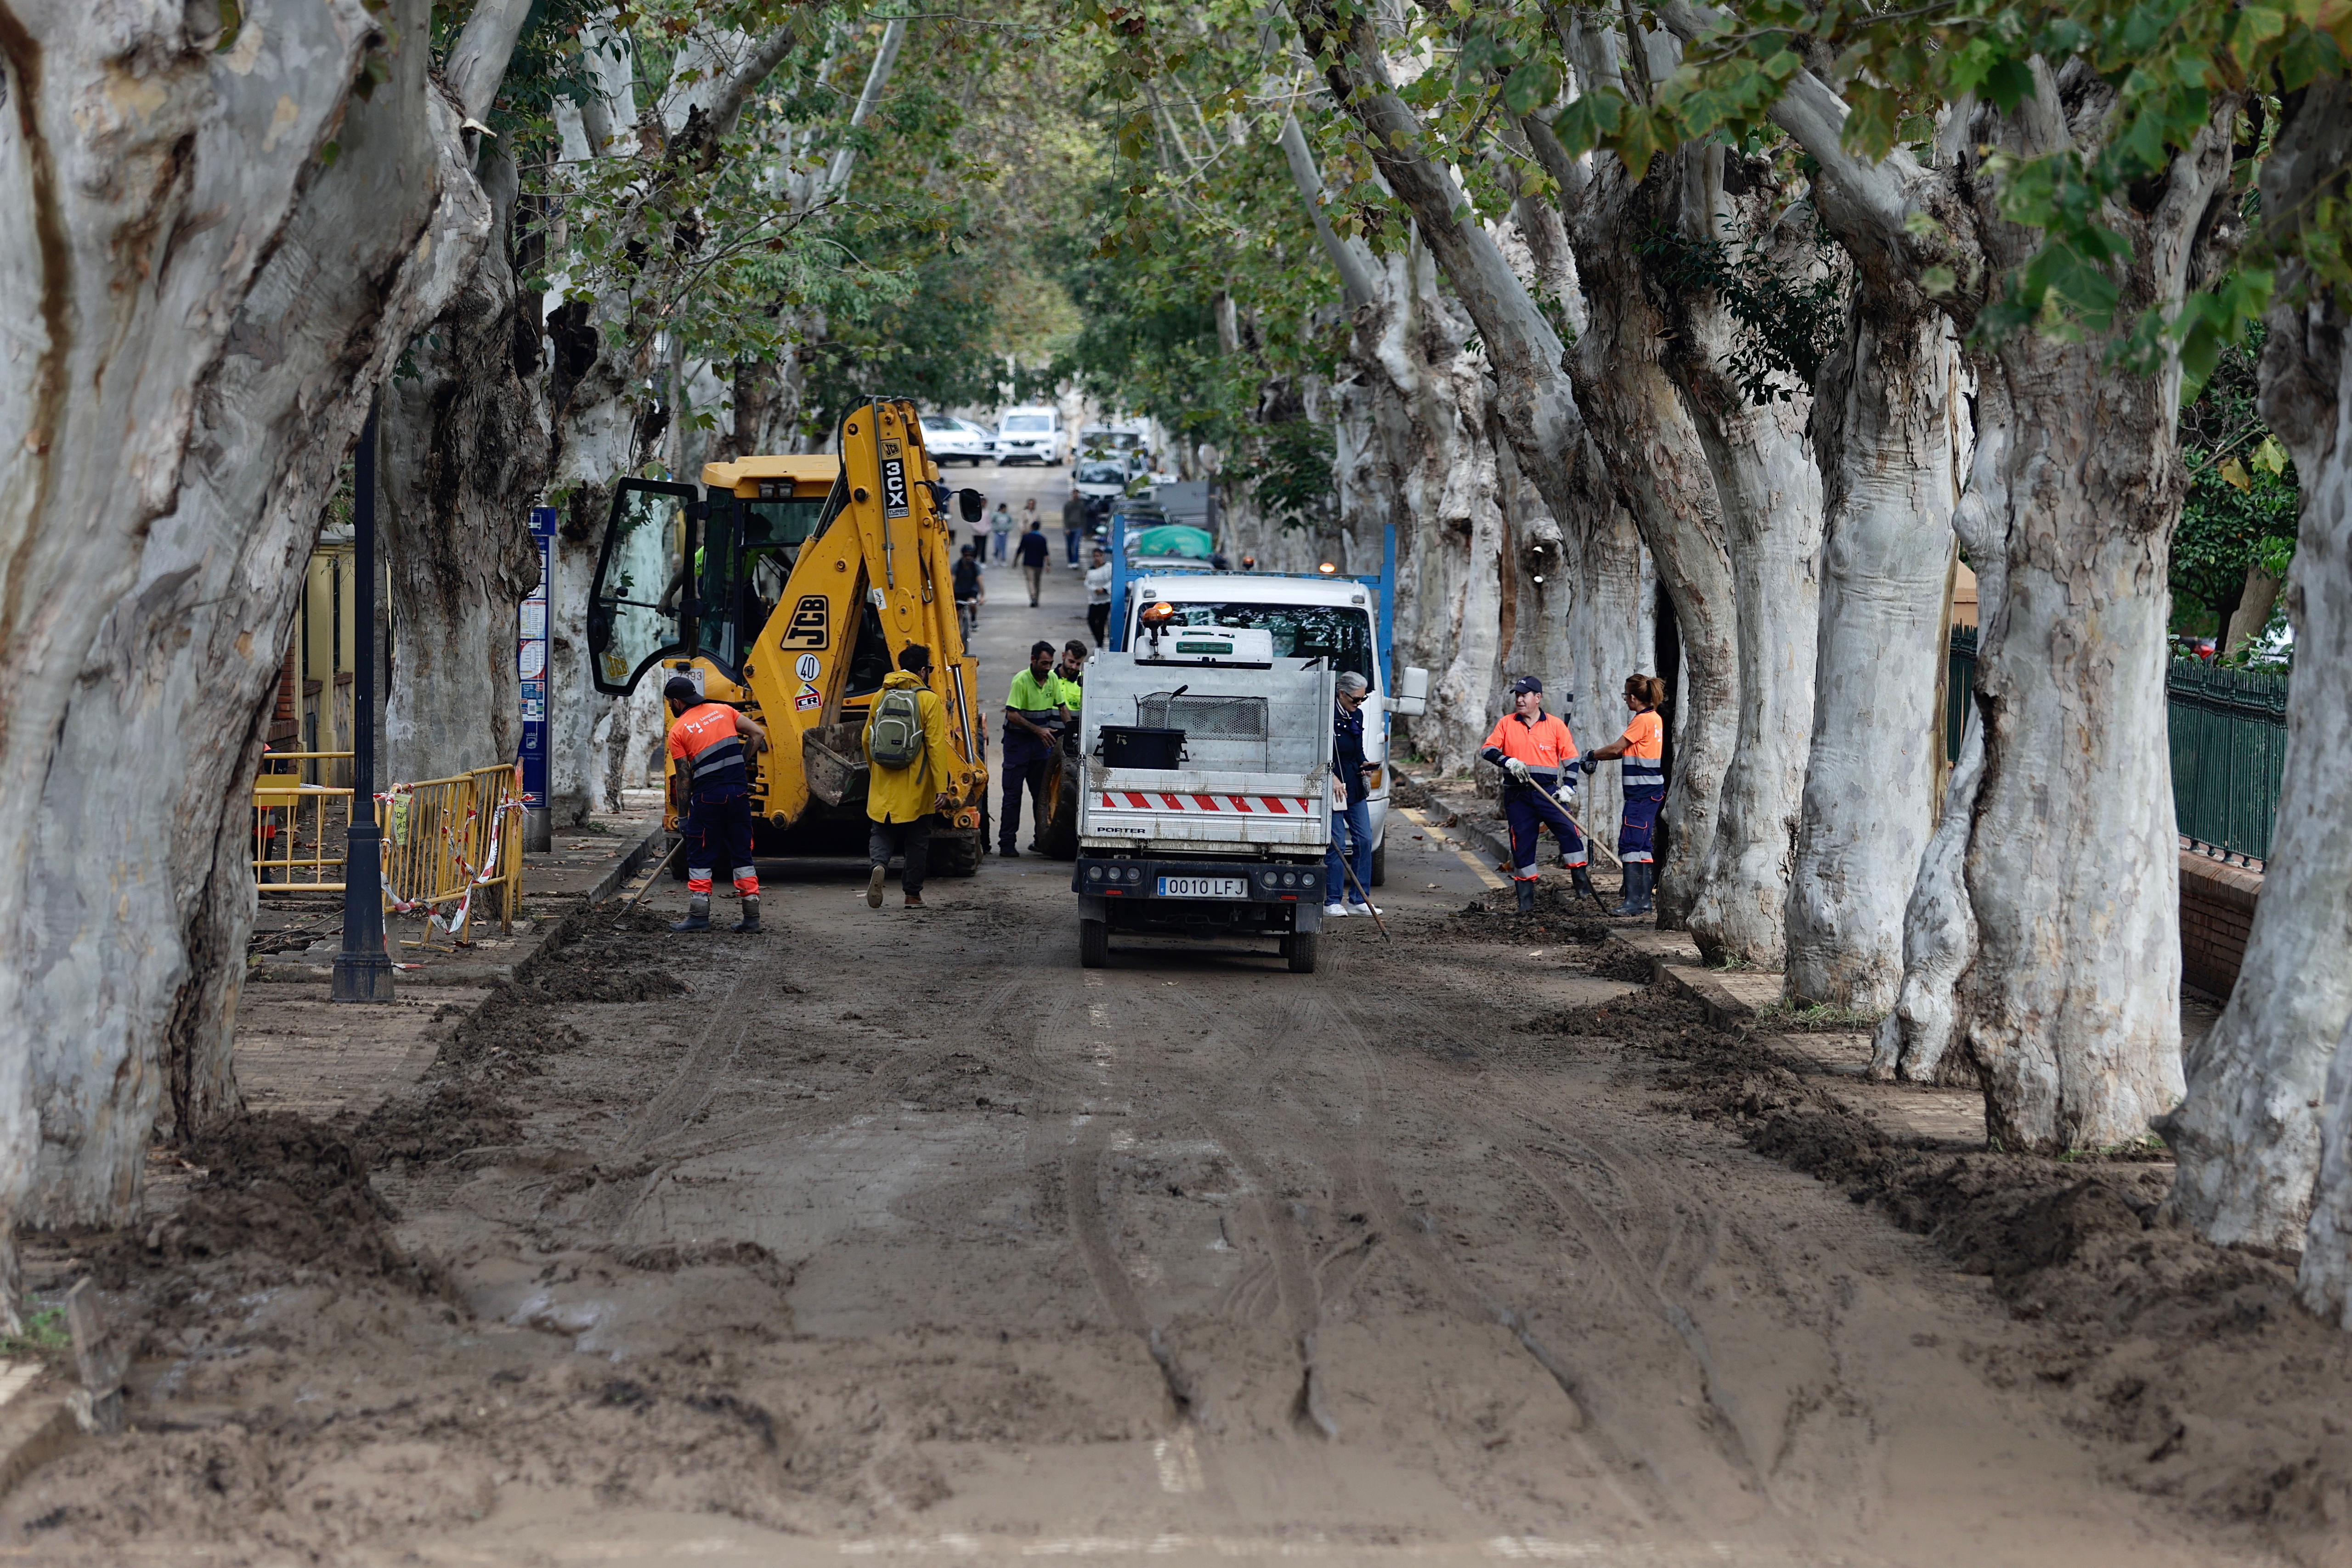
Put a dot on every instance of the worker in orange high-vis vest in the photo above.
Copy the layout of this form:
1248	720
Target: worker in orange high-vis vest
1643	748
711	789
1537	757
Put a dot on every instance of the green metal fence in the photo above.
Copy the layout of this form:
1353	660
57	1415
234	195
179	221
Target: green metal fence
2229	753
2227	733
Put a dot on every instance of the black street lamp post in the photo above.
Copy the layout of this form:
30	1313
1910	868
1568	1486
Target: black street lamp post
364	969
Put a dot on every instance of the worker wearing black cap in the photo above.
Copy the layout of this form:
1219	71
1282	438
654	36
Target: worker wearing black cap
710	790
1536	752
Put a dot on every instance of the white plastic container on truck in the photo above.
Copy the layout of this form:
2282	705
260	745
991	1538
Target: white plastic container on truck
1341	618
1205	792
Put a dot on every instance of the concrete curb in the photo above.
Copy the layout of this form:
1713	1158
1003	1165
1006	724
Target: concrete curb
629	864
1496	849
297	968
1732	999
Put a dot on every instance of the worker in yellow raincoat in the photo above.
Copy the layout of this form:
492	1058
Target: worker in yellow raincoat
906	745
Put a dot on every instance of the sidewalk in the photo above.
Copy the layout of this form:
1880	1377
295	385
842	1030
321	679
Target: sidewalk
298	1051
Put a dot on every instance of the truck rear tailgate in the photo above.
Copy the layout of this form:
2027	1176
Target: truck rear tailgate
1203	809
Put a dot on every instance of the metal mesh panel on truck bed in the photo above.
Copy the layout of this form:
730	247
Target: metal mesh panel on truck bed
1203	719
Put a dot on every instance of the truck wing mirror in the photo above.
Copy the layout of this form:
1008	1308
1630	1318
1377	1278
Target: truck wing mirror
1412	697
972	505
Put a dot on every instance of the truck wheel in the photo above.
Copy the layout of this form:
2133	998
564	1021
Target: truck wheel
955	856
1380	861
1093	944
1301	952
1057	835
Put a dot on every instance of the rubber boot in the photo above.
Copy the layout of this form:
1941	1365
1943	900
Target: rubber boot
1582	880
1527	886
1631	903
1649	878
698	914
749	925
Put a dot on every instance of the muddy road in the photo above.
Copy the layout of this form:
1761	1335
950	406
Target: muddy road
897	1234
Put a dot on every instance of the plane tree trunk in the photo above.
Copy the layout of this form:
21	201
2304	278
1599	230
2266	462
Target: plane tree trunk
467	448
207	303
2073	1004
1643	431
2260	1108
2070	1006
1771	494
1885	424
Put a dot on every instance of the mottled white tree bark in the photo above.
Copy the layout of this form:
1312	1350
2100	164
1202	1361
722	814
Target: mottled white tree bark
206	305
2249	1135
466	449
1889	445
2071	1005
1770	493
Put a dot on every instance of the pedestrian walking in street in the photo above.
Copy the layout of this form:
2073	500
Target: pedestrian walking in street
970	595
1098	596
1351	817
1033	553
1035	710
1643	748
1074	523
711	792
1000	529
1537	755
906	744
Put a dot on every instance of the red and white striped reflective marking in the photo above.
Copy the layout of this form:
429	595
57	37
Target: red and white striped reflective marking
1229	805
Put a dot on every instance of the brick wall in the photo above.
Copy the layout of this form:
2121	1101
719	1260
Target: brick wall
2217	908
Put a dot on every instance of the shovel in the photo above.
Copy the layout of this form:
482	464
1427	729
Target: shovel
654	875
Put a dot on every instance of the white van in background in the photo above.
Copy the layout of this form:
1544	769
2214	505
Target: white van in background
1033	435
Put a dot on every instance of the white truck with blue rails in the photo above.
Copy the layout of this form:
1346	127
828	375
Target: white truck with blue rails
1349	622
1205	792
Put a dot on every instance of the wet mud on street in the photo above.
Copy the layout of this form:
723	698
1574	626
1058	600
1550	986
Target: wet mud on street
893	1234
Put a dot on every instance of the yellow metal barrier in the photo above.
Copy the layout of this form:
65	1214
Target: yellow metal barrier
446	841
299	824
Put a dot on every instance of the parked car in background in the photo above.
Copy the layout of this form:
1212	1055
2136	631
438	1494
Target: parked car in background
950	438
1099	482
1030	435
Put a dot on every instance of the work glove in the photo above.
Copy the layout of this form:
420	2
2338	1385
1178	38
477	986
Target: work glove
1515	769
1589	766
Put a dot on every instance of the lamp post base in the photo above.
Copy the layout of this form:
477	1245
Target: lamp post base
360	977
363	968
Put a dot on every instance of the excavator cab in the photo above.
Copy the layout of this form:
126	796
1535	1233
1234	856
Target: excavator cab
787	586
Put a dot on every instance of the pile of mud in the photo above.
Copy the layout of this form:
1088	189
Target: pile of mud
450	1119
313	1482
277	1190
2191	1362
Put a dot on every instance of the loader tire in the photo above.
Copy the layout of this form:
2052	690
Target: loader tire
1093	944
956	855
1057	835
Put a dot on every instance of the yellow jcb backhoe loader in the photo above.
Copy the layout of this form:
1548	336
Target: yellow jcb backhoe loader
787	586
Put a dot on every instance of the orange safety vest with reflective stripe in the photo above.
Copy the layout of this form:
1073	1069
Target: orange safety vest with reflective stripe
704	739
1645	752
1543	744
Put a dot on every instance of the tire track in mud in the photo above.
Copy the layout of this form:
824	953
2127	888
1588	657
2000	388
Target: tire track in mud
1651	1206
1360	1173
751	1006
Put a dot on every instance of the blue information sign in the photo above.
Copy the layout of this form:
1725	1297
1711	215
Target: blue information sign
530	662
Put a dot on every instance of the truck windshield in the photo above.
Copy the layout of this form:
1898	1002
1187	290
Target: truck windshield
1343	636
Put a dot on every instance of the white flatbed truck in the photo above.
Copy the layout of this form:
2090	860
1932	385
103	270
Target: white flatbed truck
1205	792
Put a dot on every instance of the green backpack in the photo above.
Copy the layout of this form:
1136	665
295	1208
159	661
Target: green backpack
896	736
